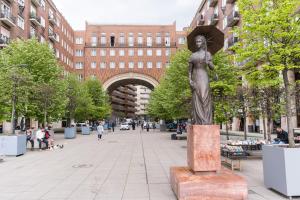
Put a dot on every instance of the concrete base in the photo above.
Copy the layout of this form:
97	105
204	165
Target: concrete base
13	145
223	185
70	133
85	130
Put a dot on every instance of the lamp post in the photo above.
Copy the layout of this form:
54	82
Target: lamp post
15	80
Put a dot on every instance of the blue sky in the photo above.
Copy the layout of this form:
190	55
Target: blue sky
128	11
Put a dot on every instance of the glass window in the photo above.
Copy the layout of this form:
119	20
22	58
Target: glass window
140	52
79	65
93	65
140	65
79	53
94	52
112	52
149	41
158	38
149	52
131	52
103	52
158	52
79	40
43	22
130	41
181	40
112	65
102	65
149	65
140	40
20	22
224	22
158	65
122	39
121	52
122	65
167	52
103	40
131	65
94	41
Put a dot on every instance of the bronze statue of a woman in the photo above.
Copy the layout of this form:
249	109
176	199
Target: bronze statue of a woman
199	82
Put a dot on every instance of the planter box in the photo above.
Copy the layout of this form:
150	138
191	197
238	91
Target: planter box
85	130
13	145
70	133
281	169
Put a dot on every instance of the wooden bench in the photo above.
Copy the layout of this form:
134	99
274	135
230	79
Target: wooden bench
233	163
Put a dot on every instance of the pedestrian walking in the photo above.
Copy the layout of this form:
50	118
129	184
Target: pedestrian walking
100	130
133	125
147	126
142	126
113	126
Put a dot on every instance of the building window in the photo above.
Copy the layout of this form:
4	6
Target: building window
103	52
94	52
224	4
140	65
181	40
140	39
103	40
57	53
42	40
167	40
149	65
80	77
122	39
20	22
131	40
140	52
216	10
158	65
112	52
158	52
43	22
43	4
93	65
121	52
112	65
131	52
102	65
158	38
224	22
79	40
79	53
167	52
94	41
79	65
131	65
21	2
149	41
149	52
112	41
122	65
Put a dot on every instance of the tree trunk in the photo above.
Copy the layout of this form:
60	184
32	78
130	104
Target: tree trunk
290	103
45	118
264	127
269	122
245	124
227	131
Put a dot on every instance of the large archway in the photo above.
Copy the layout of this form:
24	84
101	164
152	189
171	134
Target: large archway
129	78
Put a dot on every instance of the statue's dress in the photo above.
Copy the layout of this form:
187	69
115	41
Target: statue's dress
201	98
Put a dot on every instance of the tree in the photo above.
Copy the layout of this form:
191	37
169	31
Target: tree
85	106
270	36
100	99
47	99
224	90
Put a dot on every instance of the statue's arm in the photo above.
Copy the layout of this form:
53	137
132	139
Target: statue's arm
210	62
190	74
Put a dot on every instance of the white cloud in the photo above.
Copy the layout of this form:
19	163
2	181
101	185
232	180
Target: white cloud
128	11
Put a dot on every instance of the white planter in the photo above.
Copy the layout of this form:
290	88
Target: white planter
70	133
12	145
281	169
85	130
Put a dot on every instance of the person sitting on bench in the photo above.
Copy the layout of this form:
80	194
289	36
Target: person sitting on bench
29	137
40	136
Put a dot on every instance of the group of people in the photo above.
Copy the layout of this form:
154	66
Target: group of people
42	135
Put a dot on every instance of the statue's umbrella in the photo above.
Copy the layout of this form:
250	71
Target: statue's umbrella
214	37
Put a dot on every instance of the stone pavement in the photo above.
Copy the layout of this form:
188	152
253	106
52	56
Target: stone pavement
126	165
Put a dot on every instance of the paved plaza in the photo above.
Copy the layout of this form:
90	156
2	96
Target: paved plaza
127	165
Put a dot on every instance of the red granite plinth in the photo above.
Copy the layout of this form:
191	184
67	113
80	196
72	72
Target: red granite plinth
203	148
223	185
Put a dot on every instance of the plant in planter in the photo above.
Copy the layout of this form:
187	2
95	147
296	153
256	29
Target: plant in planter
270	48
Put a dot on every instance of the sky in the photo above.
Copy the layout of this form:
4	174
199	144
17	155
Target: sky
128	12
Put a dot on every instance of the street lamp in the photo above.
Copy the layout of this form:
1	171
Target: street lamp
15	80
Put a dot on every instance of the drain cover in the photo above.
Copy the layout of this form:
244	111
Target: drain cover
82	166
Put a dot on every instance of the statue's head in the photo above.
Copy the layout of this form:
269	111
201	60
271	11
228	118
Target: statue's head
200	41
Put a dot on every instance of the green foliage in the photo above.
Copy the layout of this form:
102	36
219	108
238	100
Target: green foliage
100	99
84	105
171	99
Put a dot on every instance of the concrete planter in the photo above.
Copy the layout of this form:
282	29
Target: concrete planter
281	169
13	145
70	133
85	130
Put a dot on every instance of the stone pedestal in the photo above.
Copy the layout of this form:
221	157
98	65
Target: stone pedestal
203	148
204	178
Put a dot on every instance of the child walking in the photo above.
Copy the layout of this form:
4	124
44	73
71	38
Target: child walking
100	130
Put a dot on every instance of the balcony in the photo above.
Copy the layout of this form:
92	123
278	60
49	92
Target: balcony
214	19
230	1
52	36
233	19
7	18
232	40
37	3
213	3
200	20
4	40
35	19
52	20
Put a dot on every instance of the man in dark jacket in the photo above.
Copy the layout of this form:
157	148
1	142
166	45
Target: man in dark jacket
282	136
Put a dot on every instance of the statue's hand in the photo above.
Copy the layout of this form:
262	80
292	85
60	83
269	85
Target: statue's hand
192	85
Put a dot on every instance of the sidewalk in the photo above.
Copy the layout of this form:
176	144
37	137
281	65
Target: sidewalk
126	165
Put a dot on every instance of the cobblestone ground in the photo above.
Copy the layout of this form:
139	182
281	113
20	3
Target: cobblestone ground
127	165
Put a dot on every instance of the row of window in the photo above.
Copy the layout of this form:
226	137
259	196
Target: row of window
122	65
131	52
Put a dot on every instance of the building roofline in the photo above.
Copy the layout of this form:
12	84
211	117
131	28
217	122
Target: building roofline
128	24
200	8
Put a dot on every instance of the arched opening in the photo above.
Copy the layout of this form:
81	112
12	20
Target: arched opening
129	94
